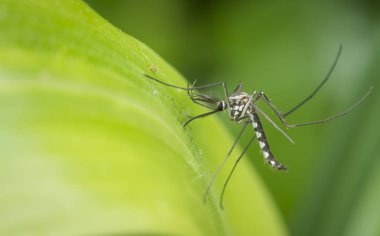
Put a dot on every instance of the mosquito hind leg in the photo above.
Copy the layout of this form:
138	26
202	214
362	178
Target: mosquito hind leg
356	104
282	117
187	88
327	77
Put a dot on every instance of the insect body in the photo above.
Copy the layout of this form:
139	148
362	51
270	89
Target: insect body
242	108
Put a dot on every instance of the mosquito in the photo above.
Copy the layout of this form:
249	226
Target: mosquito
242	109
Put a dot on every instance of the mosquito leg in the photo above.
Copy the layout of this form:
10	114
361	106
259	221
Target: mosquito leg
224	90
272	123
161	82
319	86
232	171
213	178
282	117
193	99
264	147
189	89
337	115
222	84
200	116
274	109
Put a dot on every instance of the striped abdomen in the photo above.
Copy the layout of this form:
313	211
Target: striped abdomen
264	143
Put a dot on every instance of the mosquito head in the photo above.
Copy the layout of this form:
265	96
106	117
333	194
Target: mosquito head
222	105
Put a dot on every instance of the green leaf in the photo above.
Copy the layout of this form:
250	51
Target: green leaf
88	145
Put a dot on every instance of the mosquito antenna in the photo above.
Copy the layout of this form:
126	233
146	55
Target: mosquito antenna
319	86
200	116
213	178
232	171
338	115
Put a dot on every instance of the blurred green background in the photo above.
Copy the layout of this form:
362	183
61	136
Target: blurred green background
285	49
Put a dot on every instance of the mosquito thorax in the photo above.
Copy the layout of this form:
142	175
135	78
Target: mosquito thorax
237	103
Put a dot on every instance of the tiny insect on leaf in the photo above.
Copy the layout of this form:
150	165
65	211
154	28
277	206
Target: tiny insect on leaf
242	109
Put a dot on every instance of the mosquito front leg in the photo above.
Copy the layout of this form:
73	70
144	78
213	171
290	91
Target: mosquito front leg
200	116
192	88
194	99
187	88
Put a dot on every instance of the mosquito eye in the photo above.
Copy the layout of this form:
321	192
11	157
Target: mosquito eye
221	106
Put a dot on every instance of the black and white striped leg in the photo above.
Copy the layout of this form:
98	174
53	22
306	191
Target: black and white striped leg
264	143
